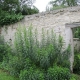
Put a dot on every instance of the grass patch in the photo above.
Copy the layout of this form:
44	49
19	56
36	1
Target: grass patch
5	76
75	77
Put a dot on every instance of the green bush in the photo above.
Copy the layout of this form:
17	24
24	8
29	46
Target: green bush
58	73
31	74
28	10
77	63
75	77
7	18
4	48
16	65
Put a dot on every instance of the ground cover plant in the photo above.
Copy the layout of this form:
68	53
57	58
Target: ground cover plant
31	59
5	76
76	67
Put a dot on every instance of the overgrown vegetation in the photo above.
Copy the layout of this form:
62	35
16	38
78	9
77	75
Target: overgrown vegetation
77	63
76	69
4	48
58	4
31	59
7	18
5	76
58	73
76	32
13	11
75	77
58	7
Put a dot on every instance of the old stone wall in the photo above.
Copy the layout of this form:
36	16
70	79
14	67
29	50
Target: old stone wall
48	20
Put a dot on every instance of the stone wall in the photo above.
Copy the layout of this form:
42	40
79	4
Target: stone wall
48	20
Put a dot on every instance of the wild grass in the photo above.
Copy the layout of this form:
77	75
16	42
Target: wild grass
5	76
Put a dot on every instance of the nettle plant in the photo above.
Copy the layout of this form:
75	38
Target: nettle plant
46	53
30	54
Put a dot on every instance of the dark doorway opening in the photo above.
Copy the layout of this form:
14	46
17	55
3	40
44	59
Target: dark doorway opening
76	42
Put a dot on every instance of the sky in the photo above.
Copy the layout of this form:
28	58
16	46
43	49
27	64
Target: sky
41	4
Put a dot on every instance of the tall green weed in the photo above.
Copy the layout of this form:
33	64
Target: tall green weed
46	53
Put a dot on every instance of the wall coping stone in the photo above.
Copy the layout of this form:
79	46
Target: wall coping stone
64	10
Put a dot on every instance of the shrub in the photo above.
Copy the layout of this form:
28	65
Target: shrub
7	18
4	48
31	74
28	10
16	65
58	73
77	63
75	77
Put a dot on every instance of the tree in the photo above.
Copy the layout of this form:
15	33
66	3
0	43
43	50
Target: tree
63	3
9	5
12	11
27	2
27	7
71	2
26	10
16	6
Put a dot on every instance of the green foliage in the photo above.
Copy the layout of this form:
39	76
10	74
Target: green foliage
58	7
75	77
44	54
31	74
16	65
29	56
28	10
77	63
7	18
71	2
15	6
58	4
4	75
8	5
76	32
4	48
58	73
13	11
